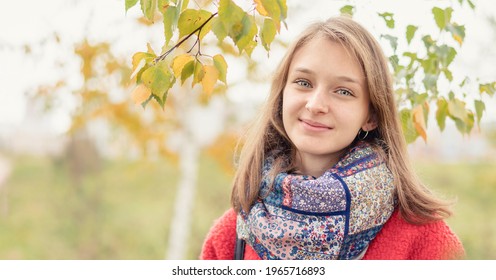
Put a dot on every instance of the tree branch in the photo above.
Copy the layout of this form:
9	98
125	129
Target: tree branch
164	55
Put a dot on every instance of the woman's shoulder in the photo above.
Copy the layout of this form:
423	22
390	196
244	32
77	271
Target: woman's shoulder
400	239
220	241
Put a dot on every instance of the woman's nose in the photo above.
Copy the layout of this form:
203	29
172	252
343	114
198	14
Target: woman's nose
316	103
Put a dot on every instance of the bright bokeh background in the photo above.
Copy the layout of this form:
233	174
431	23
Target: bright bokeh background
102	201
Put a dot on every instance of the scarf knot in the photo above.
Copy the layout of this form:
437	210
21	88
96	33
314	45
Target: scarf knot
334	216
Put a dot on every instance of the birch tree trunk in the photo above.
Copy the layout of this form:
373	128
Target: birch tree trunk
5	169
199	126
181	219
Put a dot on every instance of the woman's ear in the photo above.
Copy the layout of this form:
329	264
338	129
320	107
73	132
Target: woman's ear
371	123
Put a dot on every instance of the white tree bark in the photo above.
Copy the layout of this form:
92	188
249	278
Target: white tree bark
5	170
200	125
181	219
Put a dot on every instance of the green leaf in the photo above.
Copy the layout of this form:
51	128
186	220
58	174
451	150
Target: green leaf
430	64
238	25
221	65
472	6
130	4
428	41
244	37
465	126
448	74
388	18
456	109
441	113
157	78
408	126
467	79
449	53
250	47
489	88
480	107
394	60
141	61
162	5
183	4
267	33
457	31
219	29
442	17
275	9
347	10
198	73
157	98
418	98
445	55
413	57
393	41
410	32
230	14
148	8
187	71
283	8
171	17
191	19
430	82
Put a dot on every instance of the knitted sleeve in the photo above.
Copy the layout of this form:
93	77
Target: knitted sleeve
220	241
438	242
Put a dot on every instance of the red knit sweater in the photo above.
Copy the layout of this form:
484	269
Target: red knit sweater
398	240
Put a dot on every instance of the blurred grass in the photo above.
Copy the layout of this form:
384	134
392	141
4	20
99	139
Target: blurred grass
123	211
473	185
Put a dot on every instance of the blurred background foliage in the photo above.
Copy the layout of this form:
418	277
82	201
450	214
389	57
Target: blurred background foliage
108	186
122	210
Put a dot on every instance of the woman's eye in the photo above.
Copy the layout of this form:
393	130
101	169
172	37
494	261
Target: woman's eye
343	91
303	83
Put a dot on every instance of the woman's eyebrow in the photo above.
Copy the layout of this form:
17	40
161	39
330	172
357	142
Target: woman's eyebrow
348	79
304	70
339	78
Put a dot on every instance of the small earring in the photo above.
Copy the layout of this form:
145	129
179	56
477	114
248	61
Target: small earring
360	132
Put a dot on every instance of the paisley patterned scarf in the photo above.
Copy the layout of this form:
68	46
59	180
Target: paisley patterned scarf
334	216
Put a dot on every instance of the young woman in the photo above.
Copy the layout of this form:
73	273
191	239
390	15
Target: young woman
325	173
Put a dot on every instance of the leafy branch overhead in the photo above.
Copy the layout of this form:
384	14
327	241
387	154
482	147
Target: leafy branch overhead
423	76
156	74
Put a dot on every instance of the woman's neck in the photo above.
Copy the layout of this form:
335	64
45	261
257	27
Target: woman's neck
314	165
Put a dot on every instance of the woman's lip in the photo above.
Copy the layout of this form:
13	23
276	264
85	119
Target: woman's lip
314	125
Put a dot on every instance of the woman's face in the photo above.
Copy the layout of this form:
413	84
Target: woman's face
325	103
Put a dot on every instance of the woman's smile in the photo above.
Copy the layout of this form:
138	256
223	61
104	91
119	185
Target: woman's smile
314	126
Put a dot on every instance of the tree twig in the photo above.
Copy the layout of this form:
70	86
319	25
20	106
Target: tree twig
165	54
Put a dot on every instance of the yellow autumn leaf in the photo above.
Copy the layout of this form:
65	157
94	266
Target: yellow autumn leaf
140	94
419	121
458	38
260	8
179	62
209	79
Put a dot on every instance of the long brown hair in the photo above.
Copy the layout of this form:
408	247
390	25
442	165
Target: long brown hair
416	203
